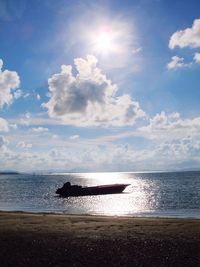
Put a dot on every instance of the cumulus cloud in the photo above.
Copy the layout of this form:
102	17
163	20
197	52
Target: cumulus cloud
169	126
74	137
177	63
3	125
3	146
25	120
40	129
197	57
180	148
9	83
3	141
55	136
23	145
189	37
27	115
13	126
89	98
66	155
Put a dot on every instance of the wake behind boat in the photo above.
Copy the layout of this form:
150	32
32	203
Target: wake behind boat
69	190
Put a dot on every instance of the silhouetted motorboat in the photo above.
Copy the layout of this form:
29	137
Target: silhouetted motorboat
69	190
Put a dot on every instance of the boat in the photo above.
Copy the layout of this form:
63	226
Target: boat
68	190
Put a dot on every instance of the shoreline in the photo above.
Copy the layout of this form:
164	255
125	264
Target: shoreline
102	215
33	239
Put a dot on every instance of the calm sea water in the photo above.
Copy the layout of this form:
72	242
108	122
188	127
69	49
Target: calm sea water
174	194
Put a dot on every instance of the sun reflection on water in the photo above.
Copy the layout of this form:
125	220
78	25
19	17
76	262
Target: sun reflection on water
105	177
149	194
135	199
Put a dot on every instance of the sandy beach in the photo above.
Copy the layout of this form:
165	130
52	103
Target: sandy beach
69	240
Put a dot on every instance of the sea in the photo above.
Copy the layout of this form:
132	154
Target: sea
155	194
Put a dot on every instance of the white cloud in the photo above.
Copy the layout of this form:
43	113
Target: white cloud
13	126
170	126
3	125
25	120
38	97
122	37
63	154
197	57
177	63
137	50
178	153
27	115
3	141
9	82
74	137
18	93
40	129
3	147
89	98
26	95
189	37
1	63
23	145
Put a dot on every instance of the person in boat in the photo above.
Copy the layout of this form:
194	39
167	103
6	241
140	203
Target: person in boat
67	185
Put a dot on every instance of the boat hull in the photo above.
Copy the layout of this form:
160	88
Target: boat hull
93	190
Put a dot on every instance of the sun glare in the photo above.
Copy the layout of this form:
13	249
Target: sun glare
109	39
104	40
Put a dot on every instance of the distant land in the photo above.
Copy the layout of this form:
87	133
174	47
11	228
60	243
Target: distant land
46	172
8	172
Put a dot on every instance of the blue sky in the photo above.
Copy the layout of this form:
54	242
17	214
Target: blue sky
99	85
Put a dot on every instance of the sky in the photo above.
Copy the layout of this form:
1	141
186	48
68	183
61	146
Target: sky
99	85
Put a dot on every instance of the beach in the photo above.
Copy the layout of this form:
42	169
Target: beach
32	239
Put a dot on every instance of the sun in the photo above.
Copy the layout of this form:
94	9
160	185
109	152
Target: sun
109	39
103	40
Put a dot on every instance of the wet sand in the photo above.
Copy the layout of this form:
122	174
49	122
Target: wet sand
70	240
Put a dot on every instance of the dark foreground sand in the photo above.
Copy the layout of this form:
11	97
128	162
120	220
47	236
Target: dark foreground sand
59	240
